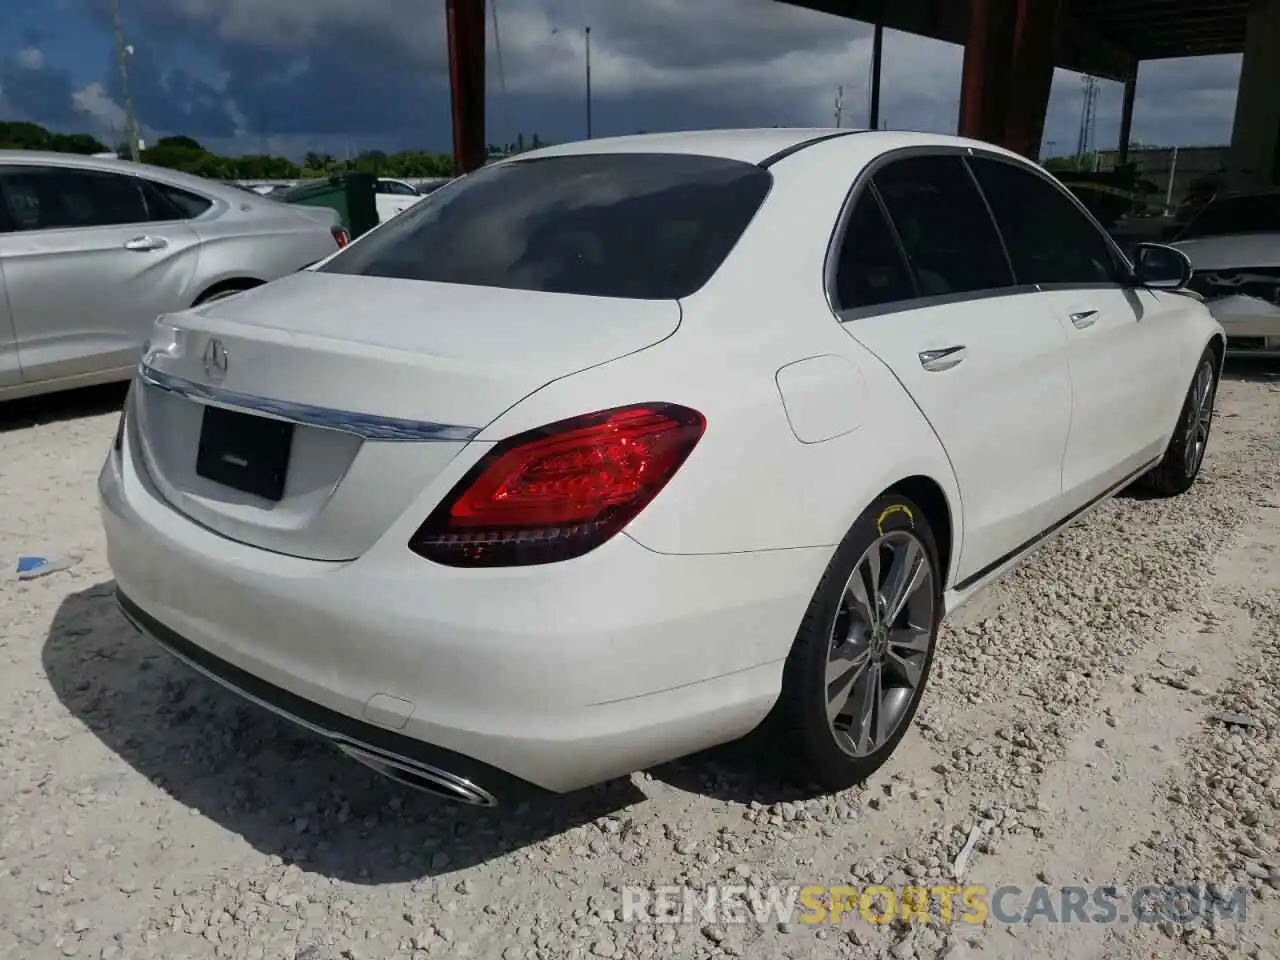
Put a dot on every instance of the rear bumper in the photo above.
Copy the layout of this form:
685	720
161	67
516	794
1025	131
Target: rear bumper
558	676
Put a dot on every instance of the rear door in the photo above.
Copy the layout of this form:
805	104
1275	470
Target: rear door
1126	364
923	281
86	268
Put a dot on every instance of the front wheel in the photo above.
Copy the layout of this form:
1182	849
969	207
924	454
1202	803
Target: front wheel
1185	454
862	656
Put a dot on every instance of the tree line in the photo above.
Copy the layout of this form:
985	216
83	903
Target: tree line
190	156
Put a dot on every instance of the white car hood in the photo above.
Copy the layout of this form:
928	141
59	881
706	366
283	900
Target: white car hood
1235	252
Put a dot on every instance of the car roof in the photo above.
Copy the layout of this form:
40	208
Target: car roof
758	146
77	161
749	146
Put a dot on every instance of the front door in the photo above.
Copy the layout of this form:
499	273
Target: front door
1124	362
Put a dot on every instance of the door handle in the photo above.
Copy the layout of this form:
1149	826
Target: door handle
1083	318
146	244
935	361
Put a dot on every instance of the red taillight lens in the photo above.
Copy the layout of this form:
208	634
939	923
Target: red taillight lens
559	491
340	236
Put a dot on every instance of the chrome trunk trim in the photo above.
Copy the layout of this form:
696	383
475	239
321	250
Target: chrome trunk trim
364	425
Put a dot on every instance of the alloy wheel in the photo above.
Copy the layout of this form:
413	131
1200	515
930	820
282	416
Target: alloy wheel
879	643
1199	418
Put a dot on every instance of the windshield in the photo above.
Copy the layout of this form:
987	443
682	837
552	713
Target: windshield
636	226
1233	215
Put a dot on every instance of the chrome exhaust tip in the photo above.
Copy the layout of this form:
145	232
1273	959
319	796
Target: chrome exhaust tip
421	776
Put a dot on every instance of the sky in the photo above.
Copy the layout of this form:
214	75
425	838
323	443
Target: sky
287	76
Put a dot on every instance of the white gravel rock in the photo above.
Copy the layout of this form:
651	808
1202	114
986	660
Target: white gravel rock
145	813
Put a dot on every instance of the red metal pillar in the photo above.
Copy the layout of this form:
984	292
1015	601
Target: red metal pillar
465	25
988	60
1034	46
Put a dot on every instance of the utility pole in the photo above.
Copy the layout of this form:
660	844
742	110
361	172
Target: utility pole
1088	119
839	105
587	32
122	56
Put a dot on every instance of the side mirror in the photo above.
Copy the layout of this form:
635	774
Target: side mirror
1160	267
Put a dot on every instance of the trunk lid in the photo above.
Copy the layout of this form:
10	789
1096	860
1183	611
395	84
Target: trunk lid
385	382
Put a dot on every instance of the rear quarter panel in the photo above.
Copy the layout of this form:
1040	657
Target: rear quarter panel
261	249
751	484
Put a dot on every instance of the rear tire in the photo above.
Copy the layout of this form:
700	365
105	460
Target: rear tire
222	294
1185	454
858	668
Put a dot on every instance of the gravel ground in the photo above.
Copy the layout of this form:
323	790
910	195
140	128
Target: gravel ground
1107	715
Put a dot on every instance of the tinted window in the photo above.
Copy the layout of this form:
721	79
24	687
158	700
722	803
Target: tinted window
640	226
400	189
1259	214
170	203
870	271
1049	239
49	198
946	232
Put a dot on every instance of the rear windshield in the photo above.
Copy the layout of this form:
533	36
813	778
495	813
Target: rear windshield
635	226
1259	214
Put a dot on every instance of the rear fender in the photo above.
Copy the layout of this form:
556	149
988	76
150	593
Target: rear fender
799	494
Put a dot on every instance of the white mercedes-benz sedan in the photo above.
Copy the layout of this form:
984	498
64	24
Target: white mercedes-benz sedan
618	450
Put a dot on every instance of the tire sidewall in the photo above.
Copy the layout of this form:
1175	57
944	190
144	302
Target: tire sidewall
1178	445
806	670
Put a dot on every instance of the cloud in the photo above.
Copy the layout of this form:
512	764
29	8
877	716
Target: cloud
33	90
95	103
374	73
29	58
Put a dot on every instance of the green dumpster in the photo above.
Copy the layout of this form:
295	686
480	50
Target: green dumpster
351	194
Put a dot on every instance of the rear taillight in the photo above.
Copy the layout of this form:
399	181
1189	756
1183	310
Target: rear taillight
559	491
340	236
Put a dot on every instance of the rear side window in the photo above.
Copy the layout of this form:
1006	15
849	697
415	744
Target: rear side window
870	271
947	234
1049	239
171	203
55	198
635	226
1259	214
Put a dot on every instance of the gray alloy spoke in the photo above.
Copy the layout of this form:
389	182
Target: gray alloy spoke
879	643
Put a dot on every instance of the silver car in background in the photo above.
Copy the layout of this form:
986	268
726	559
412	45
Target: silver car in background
92	250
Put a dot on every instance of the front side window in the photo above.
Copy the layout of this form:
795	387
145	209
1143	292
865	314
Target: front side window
870	271
1050	240
637	226
946	232
56	198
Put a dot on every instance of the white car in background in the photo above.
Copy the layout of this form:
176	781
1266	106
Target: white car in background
618	449
394	197
1234	247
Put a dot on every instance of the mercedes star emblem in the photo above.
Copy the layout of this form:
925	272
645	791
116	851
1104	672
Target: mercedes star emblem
215	360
